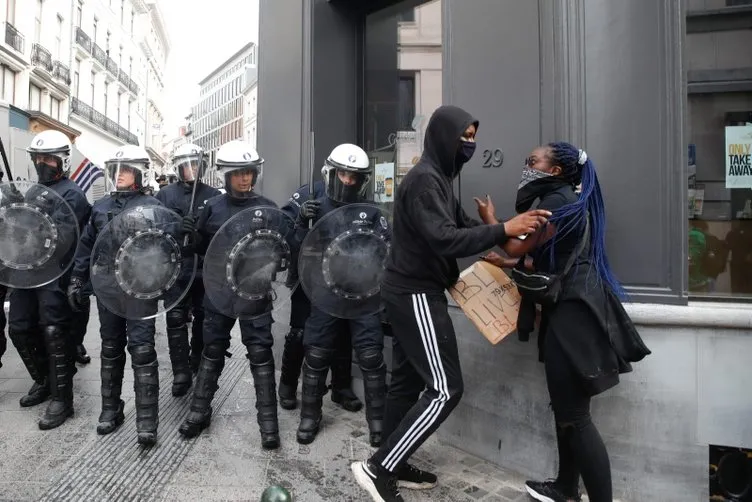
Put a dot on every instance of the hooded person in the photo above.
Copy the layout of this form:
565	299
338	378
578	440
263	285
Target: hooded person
430	232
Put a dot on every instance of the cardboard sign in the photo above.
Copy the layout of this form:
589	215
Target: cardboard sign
489	298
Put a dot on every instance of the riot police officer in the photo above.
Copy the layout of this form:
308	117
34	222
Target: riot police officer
300	309
127	174
39	318
187	198
241	167
346	173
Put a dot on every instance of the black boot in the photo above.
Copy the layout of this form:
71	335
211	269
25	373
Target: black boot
342	393
146	387
60	379
292	359
262	367
113	367
209	370
374	383
27	349
177	340
315	368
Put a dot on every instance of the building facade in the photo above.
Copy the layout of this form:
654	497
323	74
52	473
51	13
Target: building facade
250	104
35	56
95	65
119	56
218	116
659	92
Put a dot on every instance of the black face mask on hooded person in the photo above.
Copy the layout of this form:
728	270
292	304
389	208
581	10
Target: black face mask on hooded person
443	145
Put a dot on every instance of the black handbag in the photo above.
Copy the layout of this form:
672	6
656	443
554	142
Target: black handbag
540	287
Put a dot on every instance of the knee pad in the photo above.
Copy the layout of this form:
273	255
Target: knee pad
318	359
176	318
112	348
143	354
370	359
53	332
215	350
259	355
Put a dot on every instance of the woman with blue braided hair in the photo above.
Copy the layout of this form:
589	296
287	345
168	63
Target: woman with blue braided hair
586	338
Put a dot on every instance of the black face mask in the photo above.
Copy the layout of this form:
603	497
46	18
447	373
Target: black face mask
465	152
47	174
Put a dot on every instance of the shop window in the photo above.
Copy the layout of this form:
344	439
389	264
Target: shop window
403	86
720	162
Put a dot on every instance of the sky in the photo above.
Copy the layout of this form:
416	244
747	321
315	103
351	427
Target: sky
203	34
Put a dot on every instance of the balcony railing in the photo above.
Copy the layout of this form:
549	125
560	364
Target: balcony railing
41	57
83	39
112	67
61	72
101	56
14	38
106	124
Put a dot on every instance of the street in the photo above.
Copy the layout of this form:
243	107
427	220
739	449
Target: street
225	463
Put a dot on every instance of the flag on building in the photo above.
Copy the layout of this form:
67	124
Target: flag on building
86	174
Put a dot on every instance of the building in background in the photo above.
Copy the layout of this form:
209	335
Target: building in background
35	61
218	116
250	104
120	51
94	67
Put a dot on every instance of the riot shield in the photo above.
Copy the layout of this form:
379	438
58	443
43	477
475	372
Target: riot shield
247	262
342	260
38	235
138	267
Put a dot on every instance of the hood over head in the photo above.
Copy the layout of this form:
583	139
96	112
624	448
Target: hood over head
443	134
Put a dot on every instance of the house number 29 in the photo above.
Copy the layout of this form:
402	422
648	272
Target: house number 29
493	158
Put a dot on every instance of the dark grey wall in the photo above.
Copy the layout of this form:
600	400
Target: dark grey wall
535	72
287	104
335	74
280	96
635	100
491	69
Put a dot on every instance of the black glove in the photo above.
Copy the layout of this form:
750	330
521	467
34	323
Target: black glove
76	297
189	225
309	210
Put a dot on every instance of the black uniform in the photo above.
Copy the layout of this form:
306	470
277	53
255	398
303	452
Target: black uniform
177	197
256	335
39	319
117	332
3	322
319	341
300	309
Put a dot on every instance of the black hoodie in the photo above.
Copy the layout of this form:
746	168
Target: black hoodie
430	229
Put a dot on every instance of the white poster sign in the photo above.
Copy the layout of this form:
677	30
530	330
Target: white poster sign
739	156
384	183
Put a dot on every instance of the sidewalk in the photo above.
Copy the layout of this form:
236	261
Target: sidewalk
224	463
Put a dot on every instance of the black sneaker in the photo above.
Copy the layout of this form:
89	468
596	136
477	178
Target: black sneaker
412	478
547	491
380	484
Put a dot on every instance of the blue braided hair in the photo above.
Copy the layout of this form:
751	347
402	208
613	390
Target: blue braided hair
590	201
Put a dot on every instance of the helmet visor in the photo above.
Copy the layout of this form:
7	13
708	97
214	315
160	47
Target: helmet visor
124	176
239	183
190	168
346	185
